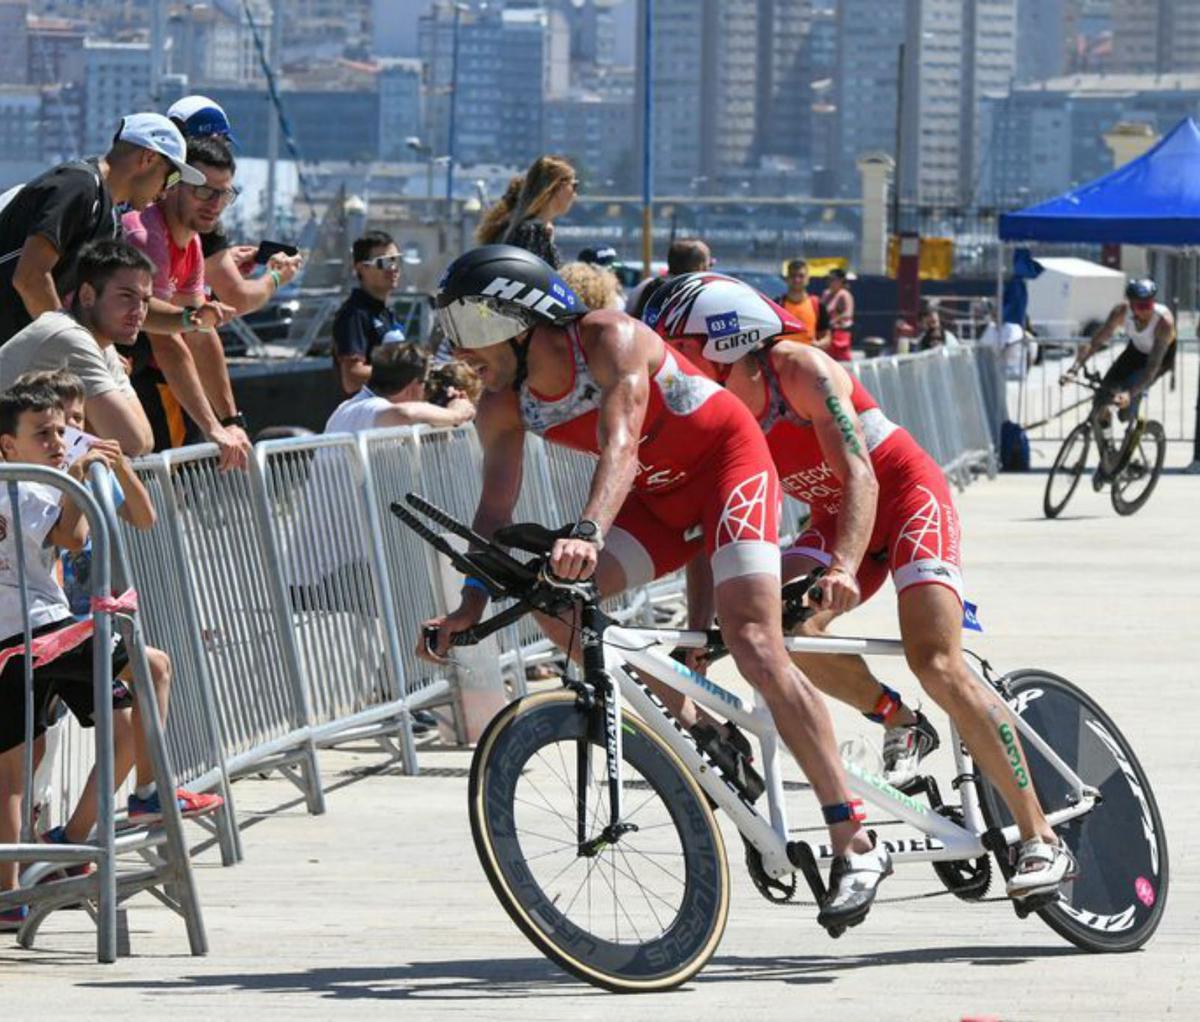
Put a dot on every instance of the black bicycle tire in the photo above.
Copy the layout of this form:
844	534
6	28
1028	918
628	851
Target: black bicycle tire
1083	429
1054	916
657	763
1124	507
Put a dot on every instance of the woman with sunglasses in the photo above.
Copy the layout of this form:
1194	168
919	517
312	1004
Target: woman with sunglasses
525	215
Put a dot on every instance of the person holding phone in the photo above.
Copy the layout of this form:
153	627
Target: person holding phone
227	267
365	319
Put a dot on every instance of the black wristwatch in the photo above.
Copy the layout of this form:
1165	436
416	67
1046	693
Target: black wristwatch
589	532
236	419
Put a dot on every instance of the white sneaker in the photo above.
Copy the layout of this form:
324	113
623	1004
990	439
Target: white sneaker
1041	868
904	746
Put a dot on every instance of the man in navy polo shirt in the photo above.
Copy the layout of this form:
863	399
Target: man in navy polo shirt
365	319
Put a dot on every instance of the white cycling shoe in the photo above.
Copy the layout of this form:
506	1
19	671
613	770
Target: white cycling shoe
853	880
904	746
1041	869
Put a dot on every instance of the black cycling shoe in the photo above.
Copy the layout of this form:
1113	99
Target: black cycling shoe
730	750
853	880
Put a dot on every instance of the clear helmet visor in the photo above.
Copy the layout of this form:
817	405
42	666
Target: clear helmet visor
481	322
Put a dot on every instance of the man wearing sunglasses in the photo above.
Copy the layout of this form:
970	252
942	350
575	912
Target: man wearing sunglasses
366	319
1150	328
48	220
180	373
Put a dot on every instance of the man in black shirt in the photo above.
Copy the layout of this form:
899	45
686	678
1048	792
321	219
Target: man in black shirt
53	216
365	321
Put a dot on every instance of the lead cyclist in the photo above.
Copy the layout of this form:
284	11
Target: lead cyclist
879	504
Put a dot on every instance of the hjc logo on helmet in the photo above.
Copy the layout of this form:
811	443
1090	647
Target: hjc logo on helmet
533	298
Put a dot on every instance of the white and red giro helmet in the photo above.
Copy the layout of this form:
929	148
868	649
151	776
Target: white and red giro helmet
730	317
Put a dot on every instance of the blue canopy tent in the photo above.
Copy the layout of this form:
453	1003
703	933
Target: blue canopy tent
1153	200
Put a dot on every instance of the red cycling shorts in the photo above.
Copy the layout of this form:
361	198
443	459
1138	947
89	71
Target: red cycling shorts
728	507
917	534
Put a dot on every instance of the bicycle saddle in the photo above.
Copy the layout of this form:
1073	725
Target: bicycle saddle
530	537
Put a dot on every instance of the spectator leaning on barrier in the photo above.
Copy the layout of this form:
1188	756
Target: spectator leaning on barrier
32	430
46	222
808	309
365	319
547	192
200	117
394	395
185	371
108	308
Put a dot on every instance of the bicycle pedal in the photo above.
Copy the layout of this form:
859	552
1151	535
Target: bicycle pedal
1031	903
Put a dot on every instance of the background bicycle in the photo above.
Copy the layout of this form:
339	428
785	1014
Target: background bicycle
1128	464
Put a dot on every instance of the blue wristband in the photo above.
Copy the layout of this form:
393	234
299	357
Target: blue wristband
471	582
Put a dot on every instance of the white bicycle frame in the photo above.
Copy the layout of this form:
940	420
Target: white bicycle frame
943	840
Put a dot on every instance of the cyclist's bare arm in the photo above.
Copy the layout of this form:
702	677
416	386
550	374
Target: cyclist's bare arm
821	391
1101	337
502	437
618	354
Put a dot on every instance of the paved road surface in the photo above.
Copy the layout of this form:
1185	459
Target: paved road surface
379	910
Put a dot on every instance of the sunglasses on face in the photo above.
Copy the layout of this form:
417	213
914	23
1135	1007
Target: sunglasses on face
207	194
391	262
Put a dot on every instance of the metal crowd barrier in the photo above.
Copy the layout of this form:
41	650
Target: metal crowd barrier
167	867
1049	411
939	396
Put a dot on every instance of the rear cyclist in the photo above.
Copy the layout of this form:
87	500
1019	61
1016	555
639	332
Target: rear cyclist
1150	328
880	504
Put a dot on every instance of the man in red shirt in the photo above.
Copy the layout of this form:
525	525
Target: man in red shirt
186	372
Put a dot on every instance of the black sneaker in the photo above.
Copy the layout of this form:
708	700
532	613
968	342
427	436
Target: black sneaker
730	750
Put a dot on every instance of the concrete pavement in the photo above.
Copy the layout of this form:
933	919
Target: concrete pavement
379	909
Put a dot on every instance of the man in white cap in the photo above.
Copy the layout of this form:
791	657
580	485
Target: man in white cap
48	220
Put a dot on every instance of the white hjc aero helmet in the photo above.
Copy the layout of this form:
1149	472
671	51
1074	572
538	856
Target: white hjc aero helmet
731	317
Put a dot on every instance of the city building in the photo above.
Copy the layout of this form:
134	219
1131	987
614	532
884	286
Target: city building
511	61
1047	136
955	51
116	82
20	120
1156	36
869	38
14	65
399	84
62	122
1043	38
327	123
796	112
327	29
592	131
55	50
210	42
705	68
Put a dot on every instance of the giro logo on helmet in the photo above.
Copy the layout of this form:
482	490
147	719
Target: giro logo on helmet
745	339
533	297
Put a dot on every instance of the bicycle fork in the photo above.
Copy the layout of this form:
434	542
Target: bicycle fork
607	698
